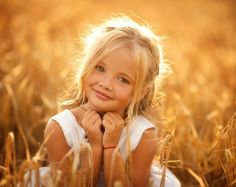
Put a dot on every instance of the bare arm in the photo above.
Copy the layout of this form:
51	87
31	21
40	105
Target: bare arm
114	169
97	157
142	158
57	148
91	123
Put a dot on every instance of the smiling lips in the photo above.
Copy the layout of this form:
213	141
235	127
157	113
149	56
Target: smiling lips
102	95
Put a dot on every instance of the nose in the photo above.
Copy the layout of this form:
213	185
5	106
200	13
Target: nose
105	82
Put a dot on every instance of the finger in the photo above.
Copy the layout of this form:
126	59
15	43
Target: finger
88	120
115	118
109	127
111	116
84	107
85	118
107	123
93	123
93	118
108	119
89	113
97	123
119	120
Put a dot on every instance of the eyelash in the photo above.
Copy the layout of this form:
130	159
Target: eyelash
121	79
99	68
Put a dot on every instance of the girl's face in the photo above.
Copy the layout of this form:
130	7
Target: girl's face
110	85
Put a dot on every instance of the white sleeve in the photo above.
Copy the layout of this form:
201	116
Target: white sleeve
73	132
136	128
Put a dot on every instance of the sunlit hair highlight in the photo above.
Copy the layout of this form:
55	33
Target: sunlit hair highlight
150	68
146	50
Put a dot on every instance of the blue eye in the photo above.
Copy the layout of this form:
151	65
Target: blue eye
100	68
123	80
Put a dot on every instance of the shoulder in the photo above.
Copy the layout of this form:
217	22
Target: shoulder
148	139
142	122
66	119
77	113
144	154
52	128
55	123
54	139
147	145
147	131
58	128
138	130
66	125
141	126
53	131
147	136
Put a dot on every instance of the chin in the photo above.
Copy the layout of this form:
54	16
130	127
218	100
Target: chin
103	110
100	109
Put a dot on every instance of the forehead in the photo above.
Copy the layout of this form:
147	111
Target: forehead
121	60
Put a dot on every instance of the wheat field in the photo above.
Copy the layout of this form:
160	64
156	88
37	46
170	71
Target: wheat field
38	40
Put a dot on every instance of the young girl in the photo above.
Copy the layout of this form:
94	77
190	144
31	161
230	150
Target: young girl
115	111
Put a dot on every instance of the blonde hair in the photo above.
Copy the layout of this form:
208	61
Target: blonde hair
146	50
145	47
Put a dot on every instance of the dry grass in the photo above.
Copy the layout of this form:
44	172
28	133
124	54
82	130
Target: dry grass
37	39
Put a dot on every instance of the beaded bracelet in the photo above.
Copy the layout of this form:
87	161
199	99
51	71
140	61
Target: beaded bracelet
110	147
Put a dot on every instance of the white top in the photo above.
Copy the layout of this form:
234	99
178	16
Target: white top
75	135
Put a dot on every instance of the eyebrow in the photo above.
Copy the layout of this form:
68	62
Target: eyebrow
121	73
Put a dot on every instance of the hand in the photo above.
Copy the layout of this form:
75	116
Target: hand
91	122
113	124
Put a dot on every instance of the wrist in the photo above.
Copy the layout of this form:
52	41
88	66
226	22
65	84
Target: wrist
97	147
109	147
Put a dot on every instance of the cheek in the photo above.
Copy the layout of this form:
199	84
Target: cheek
89	80
126	95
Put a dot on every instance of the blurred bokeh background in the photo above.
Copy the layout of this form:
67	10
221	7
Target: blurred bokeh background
37	45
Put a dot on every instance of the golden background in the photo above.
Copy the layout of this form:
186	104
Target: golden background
38	42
